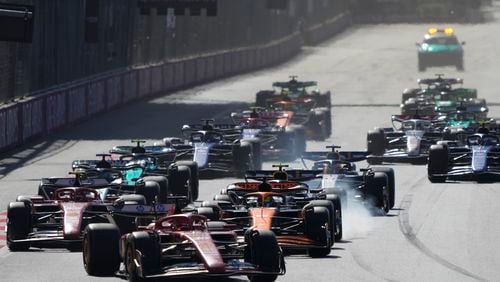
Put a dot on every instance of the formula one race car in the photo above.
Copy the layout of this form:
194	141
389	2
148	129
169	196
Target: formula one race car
139	172
212	152
60	220
184	246
278	138
408	142
440	48
311	109
373	186
309	227
478	160
290	184
440	97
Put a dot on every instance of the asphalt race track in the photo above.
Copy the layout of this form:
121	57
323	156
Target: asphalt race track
437	232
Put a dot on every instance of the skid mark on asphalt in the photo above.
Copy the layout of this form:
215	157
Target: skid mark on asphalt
409	233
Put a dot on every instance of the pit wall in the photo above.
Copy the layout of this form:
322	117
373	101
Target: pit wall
45	112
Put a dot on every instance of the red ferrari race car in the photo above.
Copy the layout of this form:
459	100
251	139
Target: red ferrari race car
59	221
182	245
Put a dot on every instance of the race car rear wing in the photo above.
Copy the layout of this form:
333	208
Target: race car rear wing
440	80
71	181
347	156
293	174
294	84
149	150
93	163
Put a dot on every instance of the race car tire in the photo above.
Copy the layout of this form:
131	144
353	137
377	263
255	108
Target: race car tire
323	100
180	184
391	188
101	255
263	250
211	212
340	192
256	152
194	179
163	186
337	217
375	142
408	93
377	193
315	220
296	135
437	163
332	208
322	118
262	96
18	226
150	251
150	191
241	159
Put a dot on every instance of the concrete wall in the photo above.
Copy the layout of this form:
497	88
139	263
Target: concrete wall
64	105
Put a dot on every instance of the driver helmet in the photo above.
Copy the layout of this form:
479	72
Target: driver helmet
268	202
483	130
138	150
333	156
280	175
103	164
254	114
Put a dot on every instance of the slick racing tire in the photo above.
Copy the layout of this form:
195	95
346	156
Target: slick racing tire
330	205
150	258
437	163
315	221
391	189
256	152
241	159
101	255
18	226
322	124
128	224
337	216
377	193
296	135
179	180
162	185
375	142
150	191
263	251
262	96
195	177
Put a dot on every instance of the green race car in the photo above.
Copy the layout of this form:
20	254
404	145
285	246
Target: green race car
440	48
